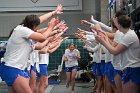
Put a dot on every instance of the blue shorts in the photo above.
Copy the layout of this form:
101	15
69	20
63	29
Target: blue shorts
132	74
43	70
119	72
1	67
94	68
98	70
69	69
28	72
102	67
109	72
9	74
32	68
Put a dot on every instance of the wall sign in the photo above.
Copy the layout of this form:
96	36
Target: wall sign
38	5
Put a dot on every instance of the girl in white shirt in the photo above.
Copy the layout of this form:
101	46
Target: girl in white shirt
18	50
71	57
129	48
42	65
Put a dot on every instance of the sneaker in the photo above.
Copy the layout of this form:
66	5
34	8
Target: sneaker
67	85
91	81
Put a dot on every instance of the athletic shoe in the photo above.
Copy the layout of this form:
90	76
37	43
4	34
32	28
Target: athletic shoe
67	84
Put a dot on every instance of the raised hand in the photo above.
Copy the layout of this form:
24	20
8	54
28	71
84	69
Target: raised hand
65	29
102	38
85	46
98	29
53	22
92	18
62	28
59	9
60	24
86	22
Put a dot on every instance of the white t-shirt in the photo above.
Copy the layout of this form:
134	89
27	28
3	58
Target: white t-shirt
108	55
117	58
32	57
44	58
91	44
18	48
130	56
102	54
96	54
71	55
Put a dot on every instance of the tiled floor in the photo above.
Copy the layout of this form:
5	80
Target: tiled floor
3	87
80	88
58	88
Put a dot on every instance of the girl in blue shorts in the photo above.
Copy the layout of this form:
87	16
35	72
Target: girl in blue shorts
129	48
71	57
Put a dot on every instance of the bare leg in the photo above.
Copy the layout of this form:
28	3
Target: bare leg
73	79
99	84
130	87
118	83
43	83
21	85
108	88
114	87
68	77
33	80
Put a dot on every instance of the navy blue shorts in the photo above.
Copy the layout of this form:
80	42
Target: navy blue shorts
69	69
102	67
32	68
94	68
9	74
1	67
109	72
98	71
119	72
43	70
132	74
28	72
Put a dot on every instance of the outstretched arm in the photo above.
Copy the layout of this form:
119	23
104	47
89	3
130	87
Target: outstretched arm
58	10
35	36
104	27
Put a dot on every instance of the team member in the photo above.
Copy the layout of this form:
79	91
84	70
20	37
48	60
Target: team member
18	50
71	57
34	57
129	49
42	73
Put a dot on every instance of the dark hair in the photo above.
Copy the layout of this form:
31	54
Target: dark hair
72	44
30	21
120	13
113	25
124	21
